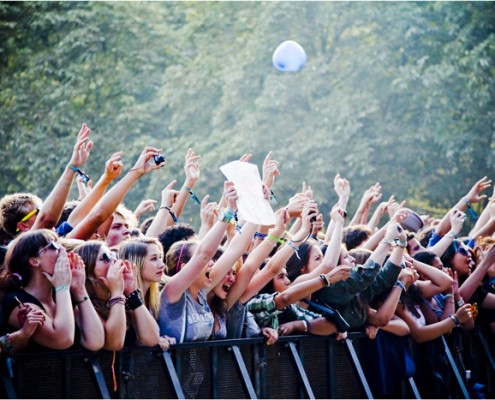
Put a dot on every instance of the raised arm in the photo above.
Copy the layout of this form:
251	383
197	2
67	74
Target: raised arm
343	190
332	255
473	281
88	321
53	205
113	169
278	261
208	214
473	196
436	280
205	250
457	219
256	258
145	326
232	253
109	202
165	216
385	312
192	171
371	195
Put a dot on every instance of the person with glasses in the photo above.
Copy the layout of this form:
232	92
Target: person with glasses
40	273
110	283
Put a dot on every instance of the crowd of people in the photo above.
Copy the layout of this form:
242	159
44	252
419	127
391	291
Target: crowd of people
89	273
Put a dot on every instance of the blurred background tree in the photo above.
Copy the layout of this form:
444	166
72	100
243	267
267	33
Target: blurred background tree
398	93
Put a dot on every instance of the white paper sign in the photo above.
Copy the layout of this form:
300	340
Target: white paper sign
252	205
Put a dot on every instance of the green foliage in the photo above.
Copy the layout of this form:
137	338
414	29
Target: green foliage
400	93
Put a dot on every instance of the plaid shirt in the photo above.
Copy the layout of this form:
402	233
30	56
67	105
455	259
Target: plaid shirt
266	314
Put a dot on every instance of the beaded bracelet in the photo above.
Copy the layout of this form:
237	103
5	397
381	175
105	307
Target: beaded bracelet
61	287
134	300
115	300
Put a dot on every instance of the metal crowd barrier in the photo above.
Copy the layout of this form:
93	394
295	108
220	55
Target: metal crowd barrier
294	367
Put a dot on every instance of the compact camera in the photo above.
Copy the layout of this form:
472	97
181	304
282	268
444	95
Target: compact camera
159	158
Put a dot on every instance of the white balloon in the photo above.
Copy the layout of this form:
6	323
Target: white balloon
289	56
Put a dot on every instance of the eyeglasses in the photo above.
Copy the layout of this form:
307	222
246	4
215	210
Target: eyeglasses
52	245
107	258
27	216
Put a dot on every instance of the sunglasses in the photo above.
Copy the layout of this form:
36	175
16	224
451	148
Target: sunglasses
463	251
107	258
29	215
52	245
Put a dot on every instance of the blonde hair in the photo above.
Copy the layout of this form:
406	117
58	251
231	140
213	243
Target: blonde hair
135	251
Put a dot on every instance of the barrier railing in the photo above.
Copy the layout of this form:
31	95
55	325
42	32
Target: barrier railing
294	367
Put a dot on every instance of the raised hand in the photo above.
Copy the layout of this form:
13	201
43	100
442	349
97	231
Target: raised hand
340	273
393	206
114	166
337	214
82	148
145	162
296	204
230	195
246	157
114	280
408	276
82	189
270	170
78	275
169	194
395	231
473	196
457	219
309	212
61	273
208	212
191	167
130	278
144	207
341	186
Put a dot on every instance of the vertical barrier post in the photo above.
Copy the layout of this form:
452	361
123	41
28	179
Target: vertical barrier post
98	375
301	372
453	365
248	385
357	367
169	365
